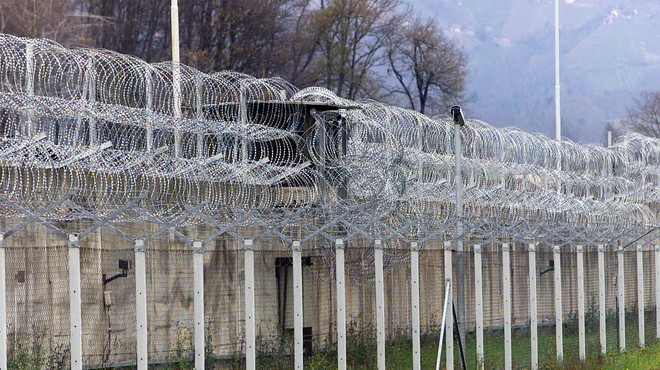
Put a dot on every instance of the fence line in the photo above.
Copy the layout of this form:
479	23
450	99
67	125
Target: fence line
154	213
572	305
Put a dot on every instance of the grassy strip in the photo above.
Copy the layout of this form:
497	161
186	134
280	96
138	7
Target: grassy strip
643	359
362	355
361	350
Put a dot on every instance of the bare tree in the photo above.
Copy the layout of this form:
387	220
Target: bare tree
247	36
351	37
58	20
430	69
644	116
137	27
259	37
300	44
344	45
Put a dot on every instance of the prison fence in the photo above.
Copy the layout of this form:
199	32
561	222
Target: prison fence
241	301
151	213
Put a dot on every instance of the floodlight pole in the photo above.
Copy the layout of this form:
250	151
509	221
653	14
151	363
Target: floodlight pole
176	75
29	85
557	92
460	260
557	89
458	182
148	92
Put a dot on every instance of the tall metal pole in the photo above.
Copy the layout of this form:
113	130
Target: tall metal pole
460	260
175	31
148	106
90	81
176	74
557	93
29	85
557	90
459	185
199	113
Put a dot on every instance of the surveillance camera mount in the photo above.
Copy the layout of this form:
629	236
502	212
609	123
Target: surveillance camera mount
124	265
457	115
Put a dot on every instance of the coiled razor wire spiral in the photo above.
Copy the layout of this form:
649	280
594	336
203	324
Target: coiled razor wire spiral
109	127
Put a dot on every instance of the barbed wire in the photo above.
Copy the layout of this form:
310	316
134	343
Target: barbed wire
108	128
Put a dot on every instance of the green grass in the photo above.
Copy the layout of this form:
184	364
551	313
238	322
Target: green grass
361	350
399	357
398	351
646	358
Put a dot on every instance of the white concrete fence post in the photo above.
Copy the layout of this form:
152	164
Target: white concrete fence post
640	294
198	299
506	297
341	304
380	303
533	315
582	349
479	305
556	250
75	309
297	305
141	304
3	304
250	332
449	324
621	299
602	313
414	297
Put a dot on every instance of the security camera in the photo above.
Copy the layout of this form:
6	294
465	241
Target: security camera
457	115
124	265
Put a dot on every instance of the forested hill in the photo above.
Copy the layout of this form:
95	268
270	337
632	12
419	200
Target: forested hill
610	50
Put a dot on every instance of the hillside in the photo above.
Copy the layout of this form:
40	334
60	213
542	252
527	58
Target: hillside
610	50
